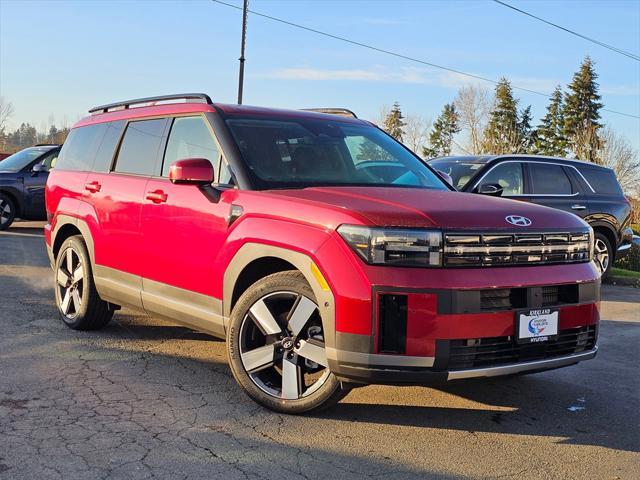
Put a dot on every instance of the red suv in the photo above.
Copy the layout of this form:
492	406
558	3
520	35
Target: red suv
326	253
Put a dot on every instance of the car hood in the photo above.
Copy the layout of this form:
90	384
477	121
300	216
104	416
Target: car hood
417	207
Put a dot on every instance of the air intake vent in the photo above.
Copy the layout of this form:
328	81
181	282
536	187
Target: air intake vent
392	327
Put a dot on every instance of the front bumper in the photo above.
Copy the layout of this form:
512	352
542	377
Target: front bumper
625	243
395	375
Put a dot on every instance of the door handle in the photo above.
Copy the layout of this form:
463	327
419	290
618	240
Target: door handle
157	196
93	187
578	207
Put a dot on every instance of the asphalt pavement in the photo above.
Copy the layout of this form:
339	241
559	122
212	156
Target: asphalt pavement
144	398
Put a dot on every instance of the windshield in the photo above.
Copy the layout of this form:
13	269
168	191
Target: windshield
18	161
298	153
460	172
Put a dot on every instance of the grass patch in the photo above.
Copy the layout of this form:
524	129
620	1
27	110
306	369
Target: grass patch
621	272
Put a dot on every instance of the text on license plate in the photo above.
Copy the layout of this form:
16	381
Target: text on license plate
537	325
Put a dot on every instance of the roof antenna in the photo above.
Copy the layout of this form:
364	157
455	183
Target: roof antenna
245	10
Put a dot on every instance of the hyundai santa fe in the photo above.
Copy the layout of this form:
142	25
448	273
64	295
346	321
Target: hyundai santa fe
284	232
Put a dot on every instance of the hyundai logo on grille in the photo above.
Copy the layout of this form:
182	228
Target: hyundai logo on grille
518	220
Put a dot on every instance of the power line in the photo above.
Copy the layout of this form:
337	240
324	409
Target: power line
584	37
399	55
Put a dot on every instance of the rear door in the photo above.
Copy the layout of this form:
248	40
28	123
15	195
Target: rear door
553	185
182	233
116	192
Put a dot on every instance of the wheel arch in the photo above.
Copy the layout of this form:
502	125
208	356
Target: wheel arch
254	261
67	226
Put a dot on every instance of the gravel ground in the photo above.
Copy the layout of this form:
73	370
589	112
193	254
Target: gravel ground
148	399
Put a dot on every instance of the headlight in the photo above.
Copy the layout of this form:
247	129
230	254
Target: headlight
394	246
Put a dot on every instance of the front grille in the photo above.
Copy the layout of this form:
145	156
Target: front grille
503	299
487	352
503	249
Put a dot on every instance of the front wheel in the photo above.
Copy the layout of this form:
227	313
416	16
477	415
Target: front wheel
276	346
7	212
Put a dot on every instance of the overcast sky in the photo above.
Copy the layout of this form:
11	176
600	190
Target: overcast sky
61	58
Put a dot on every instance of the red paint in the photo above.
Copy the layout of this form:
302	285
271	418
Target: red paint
191	170
171	233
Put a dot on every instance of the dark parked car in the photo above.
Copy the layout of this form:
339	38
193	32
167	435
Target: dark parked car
23	176
590	191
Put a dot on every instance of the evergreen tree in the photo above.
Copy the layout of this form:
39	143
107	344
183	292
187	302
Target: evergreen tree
441	137
501	134
525	132
582	112
549	136
394	122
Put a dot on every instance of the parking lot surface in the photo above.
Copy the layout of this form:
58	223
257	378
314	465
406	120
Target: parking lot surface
144	398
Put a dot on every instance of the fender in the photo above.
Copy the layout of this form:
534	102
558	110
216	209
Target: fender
302	261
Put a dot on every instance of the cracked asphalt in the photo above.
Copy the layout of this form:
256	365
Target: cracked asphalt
144	398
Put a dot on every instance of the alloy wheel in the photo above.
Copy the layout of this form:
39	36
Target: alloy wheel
70	283
282	345
5	211
601	255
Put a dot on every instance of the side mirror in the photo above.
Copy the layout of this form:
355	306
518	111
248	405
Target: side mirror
446	177
191	171
493	189
38	168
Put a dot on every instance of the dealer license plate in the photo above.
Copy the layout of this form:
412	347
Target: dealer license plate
534	326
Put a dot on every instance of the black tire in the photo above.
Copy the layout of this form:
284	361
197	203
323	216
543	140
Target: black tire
245	336
7	211
78	303
602	242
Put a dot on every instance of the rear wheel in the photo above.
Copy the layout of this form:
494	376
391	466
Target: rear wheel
603	253
7	211
77	300
276	346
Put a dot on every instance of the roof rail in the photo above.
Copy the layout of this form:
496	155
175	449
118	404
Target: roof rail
343	112
162	98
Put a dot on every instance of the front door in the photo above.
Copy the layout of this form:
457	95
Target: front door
34	183
182	233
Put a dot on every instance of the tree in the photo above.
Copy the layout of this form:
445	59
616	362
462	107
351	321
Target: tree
501	134
582	113
549	136
616	153
472	105
416	132
6	110
394	122
525	132
441	137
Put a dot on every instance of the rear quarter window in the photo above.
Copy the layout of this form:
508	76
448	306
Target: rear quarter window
80	147
603	181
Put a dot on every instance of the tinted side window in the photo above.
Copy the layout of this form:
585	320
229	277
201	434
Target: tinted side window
139	149
549	179
509	176
50	160
80	147
108	146
602	181
189	138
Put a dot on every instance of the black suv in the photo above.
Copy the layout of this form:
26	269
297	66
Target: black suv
586	189
23	176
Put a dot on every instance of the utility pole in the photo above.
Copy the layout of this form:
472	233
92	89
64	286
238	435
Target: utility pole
245	9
